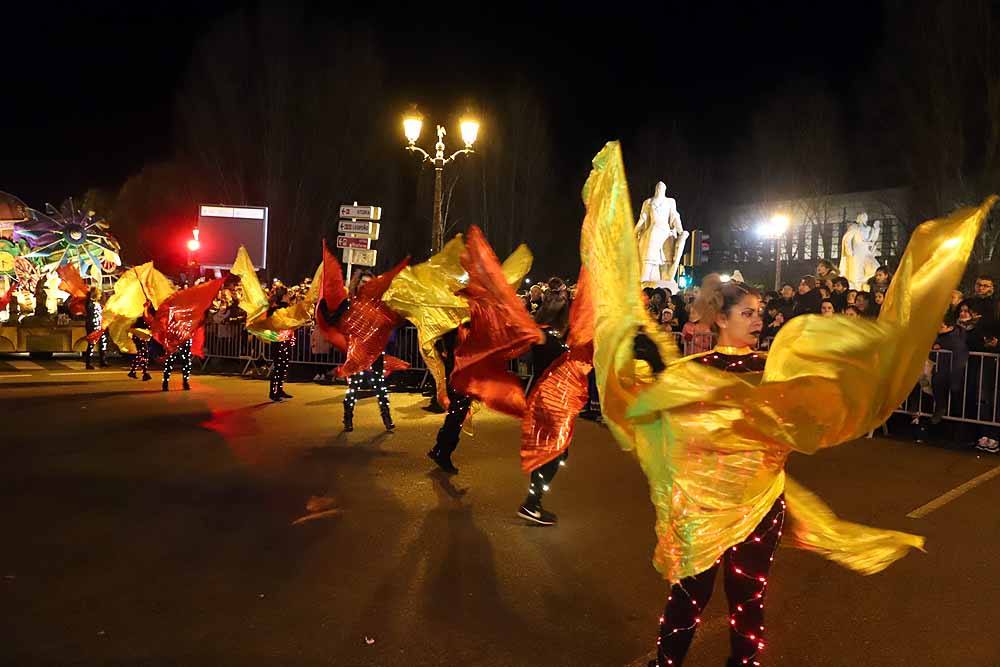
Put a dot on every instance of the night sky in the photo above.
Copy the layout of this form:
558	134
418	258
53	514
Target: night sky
89	87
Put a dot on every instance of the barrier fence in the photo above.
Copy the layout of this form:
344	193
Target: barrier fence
955	389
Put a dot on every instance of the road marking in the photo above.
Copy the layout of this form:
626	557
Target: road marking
712	625
86	373
958	491
4	376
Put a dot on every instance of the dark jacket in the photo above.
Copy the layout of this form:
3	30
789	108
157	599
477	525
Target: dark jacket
808	303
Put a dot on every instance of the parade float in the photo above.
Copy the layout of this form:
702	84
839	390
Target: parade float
35	248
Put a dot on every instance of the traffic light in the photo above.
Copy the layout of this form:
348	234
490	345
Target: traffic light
698	248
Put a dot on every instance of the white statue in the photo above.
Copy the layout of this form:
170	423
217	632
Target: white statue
661	239
858	250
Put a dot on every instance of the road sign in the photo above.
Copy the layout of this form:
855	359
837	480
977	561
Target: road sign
359	228
360	212
362	242
363	257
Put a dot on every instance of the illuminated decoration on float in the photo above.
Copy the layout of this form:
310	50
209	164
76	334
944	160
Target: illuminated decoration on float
68	235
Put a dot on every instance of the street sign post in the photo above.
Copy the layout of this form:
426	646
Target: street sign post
359	227
361	242
363	257
349	211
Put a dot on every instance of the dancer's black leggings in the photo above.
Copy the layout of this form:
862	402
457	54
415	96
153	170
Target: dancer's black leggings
182	358
451	430
141	359
542	476
745	568
281	351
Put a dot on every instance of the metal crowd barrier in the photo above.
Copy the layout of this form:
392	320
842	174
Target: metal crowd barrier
973	401
231	341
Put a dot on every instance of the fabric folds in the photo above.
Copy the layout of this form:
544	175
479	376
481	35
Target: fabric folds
500	330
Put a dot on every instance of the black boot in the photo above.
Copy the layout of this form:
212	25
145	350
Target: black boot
348	419
284	394
166	386
531	510
186	386
146	377
443	460
387	420
132	375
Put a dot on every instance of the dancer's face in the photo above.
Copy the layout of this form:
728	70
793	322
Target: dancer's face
742	324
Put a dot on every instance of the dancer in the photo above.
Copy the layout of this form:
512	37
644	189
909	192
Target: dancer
476	355
713	438
281	349
180	357
140	338
562	366
177	321
97	337
374	376
458	403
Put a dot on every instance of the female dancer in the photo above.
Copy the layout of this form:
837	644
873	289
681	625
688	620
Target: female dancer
712	432
94	324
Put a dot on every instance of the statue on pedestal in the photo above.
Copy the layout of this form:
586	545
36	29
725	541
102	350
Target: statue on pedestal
661	239
858	250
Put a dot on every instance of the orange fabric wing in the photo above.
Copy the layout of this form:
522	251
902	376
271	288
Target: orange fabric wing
500	330
561	393
332	294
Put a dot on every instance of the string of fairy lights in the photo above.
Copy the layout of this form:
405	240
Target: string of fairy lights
376	377
756	600
182	357
141	359
279	372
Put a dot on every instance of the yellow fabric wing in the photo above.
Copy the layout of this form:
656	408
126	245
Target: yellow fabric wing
254	301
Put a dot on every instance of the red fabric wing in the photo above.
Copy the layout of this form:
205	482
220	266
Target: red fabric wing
368	323
332	289
198	343
561	393
500	329
182	313
5	299
393	364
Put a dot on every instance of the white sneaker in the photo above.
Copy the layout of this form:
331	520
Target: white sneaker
991	446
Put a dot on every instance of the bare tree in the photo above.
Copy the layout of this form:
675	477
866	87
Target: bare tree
275	110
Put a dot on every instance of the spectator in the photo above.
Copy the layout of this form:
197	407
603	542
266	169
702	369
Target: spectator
984	300
773	319
697	336
852	311
838	296
852	296
824	292
657	300
956	298
878	298
826	308
880	281
786	304
808	299
534	298
862	302
949	369
826	273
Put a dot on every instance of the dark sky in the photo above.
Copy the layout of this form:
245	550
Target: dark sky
89	87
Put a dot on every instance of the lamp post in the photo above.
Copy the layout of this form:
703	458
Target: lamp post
469	128
775	229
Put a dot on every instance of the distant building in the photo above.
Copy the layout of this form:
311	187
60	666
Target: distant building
816	226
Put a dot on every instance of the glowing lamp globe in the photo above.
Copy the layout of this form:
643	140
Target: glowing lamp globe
193	245
413	122
470	130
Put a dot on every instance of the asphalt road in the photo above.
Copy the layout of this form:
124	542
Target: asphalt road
143	528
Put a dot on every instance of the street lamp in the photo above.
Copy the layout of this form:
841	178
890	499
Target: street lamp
775	229
468	126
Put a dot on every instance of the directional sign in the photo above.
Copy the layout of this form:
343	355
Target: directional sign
364	243
359	228
363	257
361	212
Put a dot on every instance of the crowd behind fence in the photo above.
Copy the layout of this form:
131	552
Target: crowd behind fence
960	391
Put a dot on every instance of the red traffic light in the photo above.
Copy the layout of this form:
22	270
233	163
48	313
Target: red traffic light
194	245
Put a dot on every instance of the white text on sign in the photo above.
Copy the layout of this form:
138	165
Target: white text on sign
361	212
362	242
359	227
